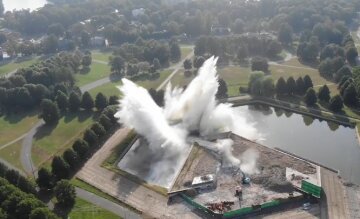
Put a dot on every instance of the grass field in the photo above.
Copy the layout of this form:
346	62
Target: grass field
185	51
101	56
236	76
12	66
97	71
49	141
110	88
86	210
11	154
15	125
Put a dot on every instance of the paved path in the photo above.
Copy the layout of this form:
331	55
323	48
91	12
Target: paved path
25	156
10	73
176	68
106	204
334	204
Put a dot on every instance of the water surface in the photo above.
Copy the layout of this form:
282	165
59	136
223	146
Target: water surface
324	142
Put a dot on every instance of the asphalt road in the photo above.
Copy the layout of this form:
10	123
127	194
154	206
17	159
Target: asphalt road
106	204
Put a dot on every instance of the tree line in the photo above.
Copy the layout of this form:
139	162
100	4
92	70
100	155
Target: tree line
18	197
72	158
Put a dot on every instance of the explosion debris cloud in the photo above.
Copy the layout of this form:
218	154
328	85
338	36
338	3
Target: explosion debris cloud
166	129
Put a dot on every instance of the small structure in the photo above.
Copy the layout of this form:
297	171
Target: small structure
306	183
204	182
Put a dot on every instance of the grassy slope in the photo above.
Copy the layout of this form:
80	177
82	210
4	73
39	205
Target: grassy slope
97	71
14	125
11	154
50	141
101	56
110	88
86	210
7	68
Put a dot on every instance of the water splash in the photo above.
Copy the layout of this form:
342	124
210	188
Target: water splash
192	109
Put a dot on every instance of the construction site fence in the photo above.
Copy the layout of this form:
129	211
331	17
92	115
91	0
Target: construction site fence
235	213
198	206
248	210
310	188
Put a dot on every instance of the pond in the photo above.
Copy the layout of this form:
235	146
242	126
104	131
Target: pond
23	4
323	142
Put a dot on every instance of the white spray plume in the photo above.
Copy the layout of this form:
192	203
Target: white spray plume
192	109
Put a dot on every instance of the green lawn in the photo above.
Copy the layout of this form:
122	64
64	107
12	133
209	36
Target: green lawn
12	66
110	88
185	51
86	210
97	71
14	125
101	56
285	72
11	154
50	141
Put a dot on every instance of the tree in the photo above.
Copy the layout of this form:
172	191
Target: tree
324	94
267	86
308	82
3	214
65	193
300	86
242	52
259	64
85	39
187	64
81	147
291	85
3	170
156	64
350	95
49	112
238	26
45	179
50	44
24	208
56	29
351	54
87	101
198	61
285	34
281	87
273	48
254	85
113	100
175	52
222	89
74	102
101	101
86	61
59	168
61	101
71	157
98	129
105	122
117	65
42	213
343	71
3	37
90	137
310	97
336	103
